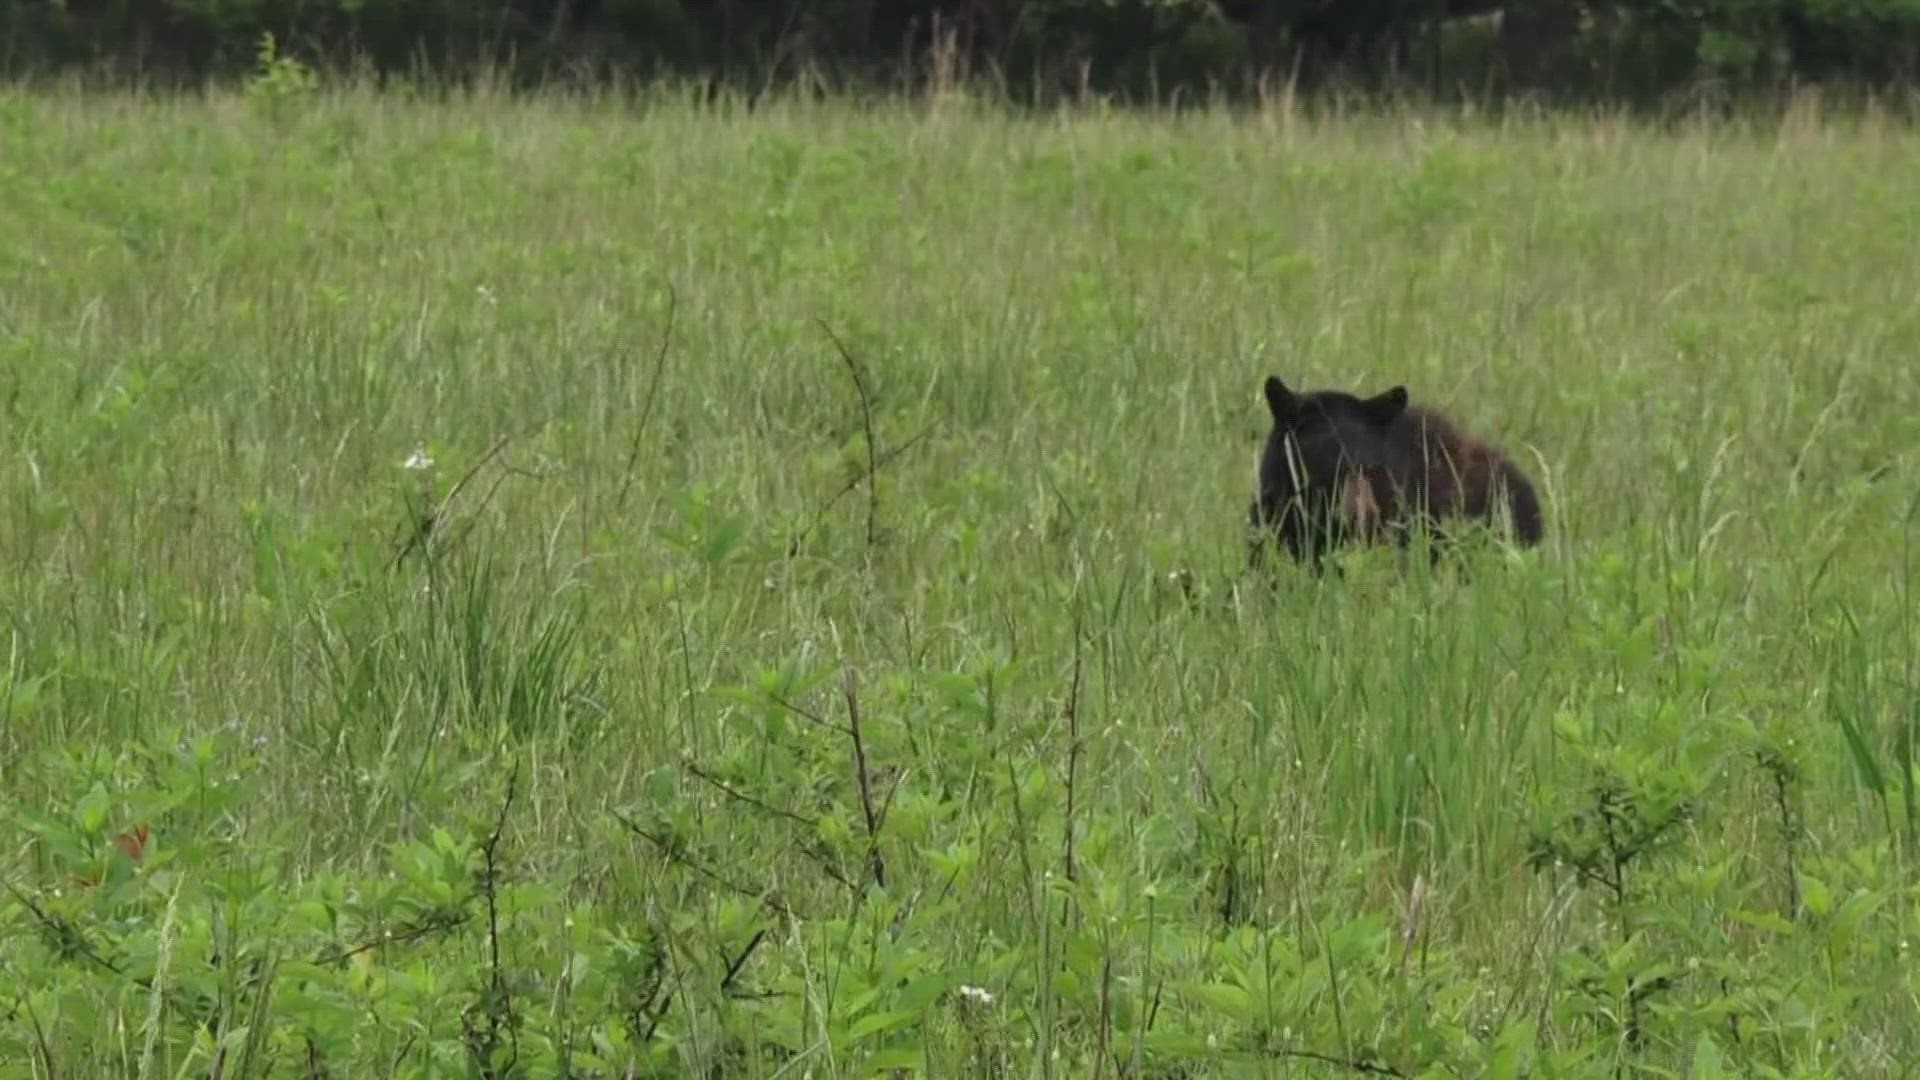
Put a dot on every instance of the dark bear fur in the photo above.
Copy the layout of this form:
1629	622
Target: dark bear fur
1338	469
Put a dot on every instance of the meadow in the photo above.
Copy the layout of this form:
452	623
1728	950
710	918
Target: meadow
604	587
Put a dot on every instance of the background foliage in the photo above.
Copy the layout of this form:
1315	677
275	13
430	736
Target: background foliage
1631	50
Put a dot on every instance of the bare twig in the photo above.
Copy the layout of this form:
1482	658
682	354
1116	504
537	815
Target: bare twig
69	937
673	854
472	519
734	793
1333	994
807	714
733	969
1073	737
40	1039
1782	774
886	804
793	546
1072	711
400	1055
1355	1064
654	1019
489	851
499	998
421	530
1410	924
654	999
820	858
1020	836
410	934
866	419
646	408
1073	516
849	682
1103	1048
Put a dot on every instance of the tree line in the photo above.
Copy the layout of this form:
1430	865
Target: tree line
1622	49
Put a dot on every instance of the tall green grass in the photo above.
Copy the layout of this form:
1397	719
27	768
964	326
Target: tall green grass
1299	820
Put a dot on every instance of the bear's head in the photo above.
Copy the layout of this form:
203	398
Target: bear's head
1327	463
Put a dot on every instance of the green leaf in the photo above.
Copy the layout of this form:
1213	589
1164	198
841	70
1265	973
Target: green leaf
1816	895
1184	1044
889	1060
1511	1050
1765	920
1706	1059
925	990
877	1022
92	808
1227	999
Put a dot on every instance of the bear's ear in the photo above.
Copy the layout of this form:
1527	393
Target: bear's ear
1385	408
1281	400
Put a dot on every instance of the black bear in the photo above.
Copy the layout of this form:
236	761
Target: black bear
1339	468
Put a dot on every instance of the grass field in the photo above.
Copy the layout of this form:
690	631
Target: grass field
440	525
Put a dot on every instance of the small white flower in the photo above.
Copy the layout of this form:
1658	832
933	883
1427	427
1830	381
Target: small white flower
976	994
418	461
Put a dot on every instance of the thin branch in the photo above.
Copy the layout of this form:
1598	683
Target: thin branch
410	934
886	804
430	519
808	715
793	546
499	1005
866	419
67	935
1782	800
1020	834
473	521
646	408
849	683
405	1049
1073	516
674	855
741	796
40	1039
1073	737
740	961
1356	1065
657	1000
1333	987
489	852
820	858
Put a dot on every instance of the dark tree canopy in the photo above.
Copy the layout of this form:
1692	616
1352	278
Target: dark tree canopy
1624	49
